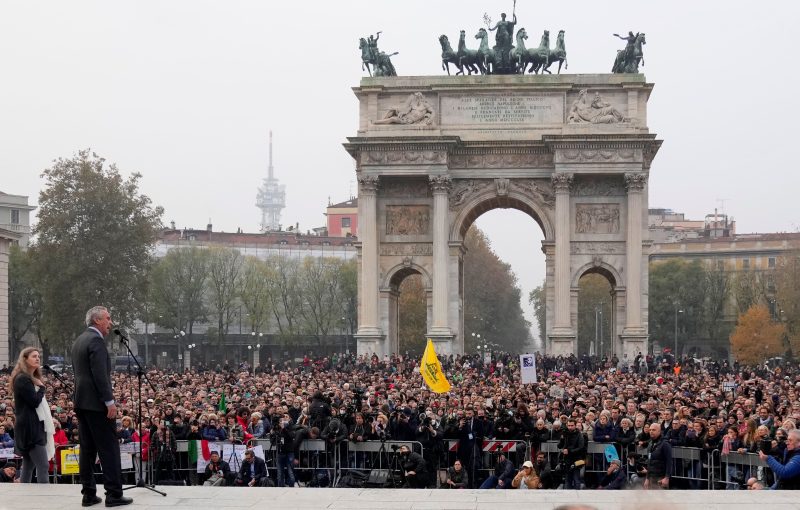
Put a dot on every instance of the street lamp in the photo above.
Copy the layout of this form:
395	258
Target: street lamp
255	350
178	337
191	348
676	333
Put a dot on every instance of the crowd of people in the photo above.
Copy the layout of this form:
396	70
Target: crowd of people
647	404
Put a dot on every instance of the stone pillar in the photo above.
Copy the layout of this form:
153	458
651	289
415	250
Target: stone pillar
440	326
562	335
5	307
369	334
634	335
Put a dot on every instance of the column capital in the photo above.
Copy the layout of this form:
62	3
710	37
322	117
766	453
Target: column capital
561	182
440	183
368	183
635	181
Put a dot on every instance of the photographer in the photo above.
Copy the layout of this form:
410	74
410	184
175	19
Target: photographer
319	411
457	477
414	470
429	435
786	469
218	472
401	426
282	436
360	433
380	428
573	450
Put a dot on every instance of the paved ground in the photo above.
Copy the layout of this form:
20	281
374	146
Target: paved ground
65	497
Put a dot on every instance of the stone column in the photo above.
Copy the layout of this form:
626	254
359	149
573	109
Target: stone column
5	347
561	184
368	331
633	255
440	185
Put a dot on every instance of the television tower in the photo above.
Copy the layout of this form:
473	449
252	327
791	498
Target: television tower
271	198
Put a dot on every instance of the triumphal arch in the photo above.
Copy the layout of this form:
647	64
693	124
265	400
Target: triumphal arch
433	153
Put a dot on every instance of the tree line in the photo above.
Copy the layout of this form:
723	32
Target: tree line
710	302
94	244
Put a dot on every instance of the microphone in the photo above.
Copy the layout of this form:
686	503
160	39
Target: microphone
122	338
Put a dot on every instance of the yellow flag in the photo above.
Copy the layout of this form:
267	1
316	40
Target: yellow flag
431	370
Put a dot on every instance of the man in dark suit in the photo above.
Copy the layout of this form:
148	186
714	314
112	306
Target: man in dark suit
253	472
96	410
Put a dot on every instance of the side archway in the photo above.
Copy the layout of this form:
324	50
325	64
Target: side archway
405	303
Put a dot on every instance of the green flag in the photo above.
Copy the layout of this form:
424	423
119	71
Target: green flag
222	406
193	451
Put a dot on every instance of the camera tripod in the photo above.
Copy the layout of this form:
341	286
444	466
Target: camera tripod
395	471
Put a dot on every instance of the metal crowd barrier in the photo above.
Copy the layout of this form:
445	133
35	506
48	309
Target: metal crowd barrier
485	461
736	468
698	468
687	464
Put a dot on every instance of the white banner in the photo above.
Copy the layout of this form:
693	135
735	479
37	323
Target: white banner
527	363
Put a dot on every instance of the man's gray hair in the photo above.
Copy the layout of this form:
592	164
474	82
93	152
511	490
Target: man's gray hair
93	314
795	433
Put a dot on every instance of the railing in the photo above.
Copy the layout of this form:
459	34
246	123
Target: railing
320	463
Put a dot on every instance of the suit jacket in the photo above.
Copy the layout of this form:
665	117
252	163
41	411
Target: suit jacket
92	368
29	429
259	472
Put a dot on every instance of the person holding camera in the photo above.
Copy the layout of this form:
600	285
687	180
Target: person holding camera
457	477
282	436
415	475
573	455
319	411
217	471
787	468
380	428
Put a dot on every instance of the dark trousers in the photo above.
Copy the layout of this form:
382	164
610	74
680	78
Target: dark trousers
97	436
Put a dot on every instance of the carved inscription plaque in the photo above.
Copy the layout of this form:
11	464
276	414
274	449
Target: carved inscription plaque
511	109
406	249
597	218
405	220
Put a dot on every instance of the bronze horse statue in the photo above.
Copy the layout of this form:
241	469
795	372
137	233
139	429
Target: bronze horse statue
468	58
539	58
628	61
519	53
380	61
485	53
448	55
559	54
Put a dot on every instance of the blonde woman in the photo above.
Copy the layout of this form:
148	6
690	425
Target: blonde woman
33	433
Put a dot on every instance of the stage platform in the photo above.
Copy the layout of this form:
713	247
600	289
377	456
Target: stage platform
66	497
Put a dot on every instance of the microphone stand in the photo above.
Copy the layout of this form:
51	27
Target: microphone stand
67	387
140	483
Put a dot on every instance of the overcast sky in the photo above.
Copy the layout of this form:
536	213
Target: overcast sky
185	92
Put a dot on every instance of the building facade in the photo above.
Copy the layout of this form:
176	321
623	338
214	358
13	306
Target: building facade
15	216
342	219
